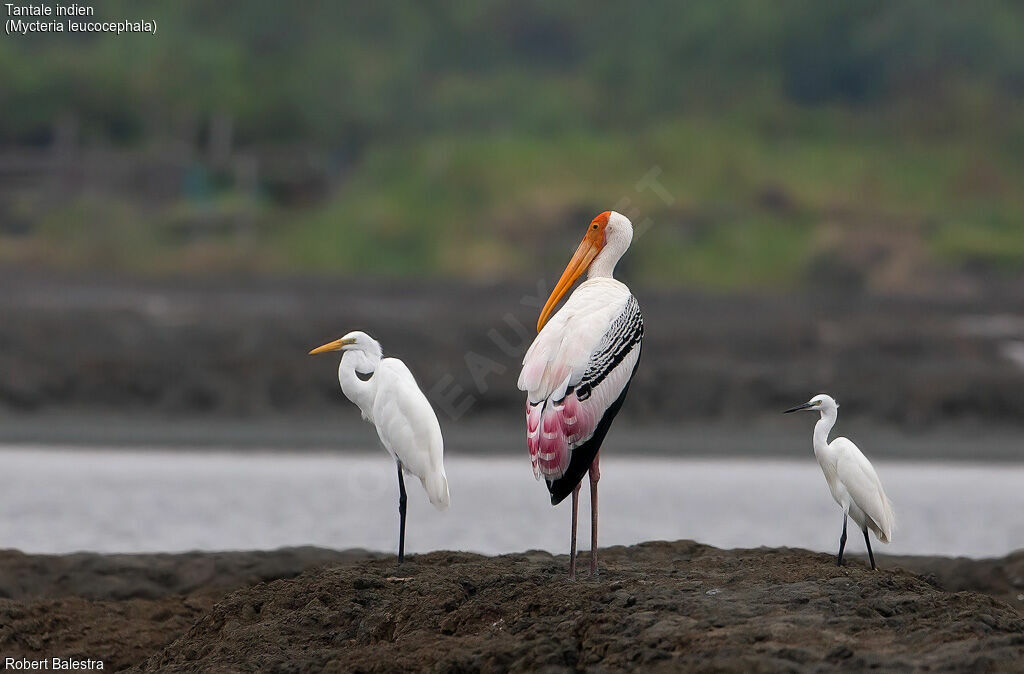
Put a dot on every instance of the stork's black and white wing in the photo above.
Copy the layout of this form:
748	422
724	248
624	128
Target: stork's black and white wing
576	374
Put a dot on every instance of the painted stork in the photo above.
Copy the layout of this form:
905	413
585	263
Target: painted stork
577	371
386	393
850	476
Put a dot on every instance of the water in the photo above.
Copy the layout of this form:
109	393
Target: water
63	500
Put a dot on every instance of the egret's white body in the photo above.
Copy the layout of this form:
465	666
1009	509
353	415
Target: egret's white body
850	476
386	393
577	371
406	424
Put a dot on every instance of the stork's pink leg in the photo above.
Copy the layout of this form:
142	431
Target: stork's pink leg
572	544
595	475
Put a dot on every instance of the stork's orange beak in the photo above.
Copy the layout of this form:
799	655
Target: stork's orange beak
590	246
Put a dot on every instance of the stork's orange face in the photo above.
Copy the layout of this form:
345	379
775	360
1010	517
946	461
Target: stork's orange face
593	242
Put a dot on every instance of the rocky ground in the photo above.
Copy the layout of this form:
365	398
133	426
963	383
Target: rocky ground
124	608
658	605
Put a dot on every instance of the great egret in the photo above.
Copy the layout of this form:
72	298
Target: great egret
851	477
577	371
386	393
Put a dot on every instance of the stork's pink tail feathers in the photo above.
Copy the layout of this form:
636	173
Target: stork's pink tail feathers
552	431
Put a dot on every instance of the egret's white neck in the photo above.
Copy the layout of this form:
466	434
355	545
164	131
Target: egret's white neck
615	247
822	429
354	363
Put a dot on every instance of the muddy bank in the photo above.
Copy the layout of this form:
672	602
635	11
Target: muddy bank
124	608
208	348
657	605
117	577
1001	578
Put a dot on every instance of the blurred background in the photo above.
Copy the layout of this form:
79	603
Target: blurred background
827	197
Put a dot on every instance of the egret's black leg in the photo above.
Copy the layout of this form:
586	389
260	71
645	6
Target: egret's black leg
871	555
401	514
572	542
842	543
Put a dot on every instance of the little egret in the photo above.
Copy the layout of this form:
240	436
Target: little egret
386	393
851	477
577	371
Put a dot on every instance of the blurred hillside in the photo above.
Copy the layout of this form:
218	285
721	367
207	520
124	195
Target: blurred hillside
862	144
237	349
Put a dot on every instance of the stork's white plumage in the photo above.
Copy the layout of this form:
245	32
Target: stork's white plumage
850	476
577	371
386	393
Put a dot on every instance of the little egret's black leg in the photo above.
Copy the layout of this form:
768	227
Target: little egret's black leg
842	543
572	542
595	476
401	514
871	555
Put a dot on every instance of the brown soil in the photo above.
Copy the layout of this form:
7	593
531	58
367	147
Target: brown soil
656	606
124	608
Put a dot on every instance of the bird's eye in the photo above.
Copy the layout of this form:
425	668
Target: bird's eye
594	226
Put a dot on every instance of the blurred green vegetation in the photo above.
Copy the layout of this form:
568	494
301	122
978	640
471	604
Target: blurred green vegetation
877	141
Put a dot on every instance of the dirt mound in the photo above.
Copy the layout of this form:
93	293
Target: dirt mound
95	576
120	633
659	606
1001	578
124	608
